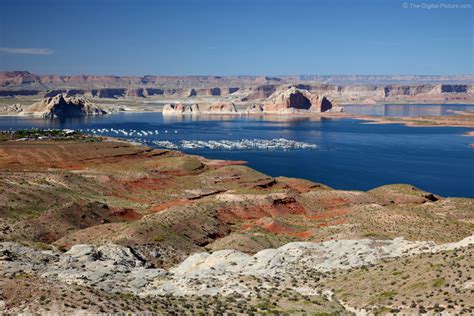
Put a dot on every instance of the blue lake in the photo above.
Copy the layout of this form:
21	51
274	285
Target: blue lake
408	109
350	154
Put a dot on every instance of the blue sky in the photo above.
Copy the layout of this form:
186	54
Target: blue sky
235	37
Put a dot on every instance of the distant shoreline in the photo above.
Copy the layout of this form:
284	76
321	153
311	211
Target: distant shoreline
462	120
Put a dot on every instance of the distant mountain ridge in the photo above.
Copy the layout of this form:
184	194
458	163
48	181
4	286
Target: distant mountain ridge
25	79
344	89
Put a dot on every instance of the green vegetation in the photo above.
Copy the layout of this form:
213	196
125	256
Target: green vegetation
388	294
159	237
37	134
22	275
439	282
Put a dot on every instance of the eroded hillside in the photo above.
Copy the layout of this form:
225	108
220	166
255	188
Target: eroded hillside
157	207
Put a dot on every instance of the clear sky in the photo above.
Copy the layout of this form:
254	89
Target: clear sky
236	37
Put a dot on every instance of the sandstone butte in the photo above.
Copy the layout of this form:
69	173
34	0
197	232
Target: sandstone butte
63	106
294	99
283	101
211	108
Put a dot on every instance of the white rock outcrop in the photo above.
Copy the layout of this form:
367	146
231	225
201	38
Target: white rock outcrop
219	272
115	268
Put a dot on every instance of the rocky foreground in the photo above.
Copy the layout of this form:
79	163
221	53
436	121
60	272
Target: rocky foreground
302	270
93	225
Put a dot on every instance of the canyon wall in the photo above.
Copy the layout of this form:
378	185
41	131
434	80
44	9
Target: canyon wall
357	89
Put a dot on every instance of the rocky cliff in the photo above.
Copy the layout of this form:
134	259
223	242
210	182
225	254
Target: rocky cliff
220	108
294	99
343	89
345	94
63	106
25	78
178	109
11	109
254	109
209	108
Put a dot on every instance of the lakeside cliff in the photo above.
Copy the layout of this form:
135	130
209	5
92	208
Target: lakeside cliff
343	89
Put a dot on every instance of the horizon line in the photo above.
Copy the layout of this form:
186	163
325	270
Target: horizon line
236	75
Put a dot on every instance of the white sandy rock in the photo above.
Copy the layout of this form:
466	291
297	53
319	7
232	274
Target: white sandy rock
223	267
118	268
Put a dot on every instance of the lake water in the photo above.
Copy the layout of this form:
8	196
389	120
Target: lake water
408	109
349	153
